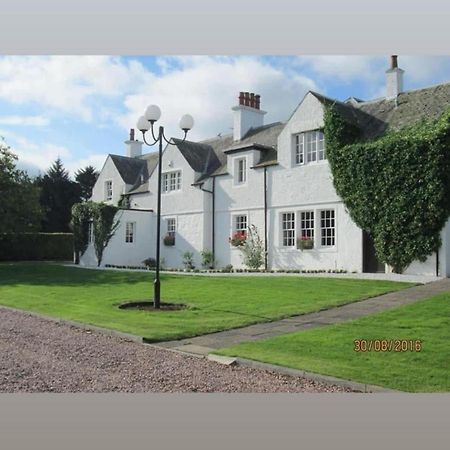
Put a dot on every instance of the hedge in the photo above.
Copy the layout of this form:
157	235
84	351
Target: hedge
36	246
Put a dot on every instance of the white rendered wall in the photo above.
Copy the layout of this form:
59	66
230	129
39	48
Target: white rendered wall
119	252
187	206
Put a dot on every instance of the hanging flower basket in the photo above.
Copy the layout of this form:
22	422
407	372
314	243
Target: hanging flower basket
238	239
169	240
305	243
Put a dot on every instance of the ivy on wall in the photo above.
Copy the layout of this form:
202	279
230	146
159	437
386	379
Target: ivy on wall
103	227
396	187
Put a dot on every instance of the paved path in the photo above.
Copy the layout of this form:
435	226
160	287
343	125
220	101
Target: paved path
208	342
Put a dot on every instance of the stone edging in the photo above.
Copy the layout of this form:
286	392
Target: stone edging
354	385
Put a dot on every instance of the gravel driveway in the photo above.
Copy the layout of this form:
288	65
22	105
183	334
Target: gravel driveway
40	355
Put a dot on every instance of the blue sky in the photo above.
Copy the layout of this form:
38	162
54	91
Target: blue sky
80	108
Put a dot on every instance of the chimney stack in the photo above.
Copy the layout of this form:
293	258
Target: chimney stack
247	114
133	147
394	79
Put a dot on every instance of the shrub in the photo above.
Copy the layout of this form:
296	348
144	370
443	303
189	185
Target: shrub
227	269
36	246
150	263
253	249
207	259
188	260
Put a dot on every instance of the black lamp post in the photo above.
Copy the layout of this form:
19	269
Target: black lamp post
145	123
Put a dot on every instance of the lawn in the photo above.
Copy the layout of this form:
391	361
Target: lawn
215	303
330	350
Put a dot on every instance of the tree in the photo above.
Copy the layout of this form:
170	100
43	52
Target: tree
86	178
58	194
20	210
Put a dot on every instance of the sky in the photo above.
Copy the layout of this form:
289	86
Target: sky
80	108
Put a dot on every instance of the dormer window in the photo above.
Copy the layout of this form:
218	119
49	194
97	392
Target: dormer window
309	147
240	169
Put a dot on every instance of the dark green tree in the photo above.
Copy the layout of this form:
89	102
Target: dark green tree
20	210
58	194
86	178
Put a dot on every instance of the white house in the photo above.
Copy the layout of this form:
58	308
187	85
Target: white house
274	176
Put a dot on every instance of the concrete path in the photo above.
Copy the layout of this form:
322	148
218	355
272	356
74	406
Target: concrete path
202	345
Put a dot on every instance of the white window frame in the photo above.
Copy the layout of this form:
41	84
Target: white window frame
240	225
171	181
307	223
171	226
240	175
291	232
327	230
309	147
108	187
130	235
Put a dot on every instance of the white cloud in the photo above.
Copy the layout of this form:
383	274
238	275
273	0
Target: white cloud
35	121
207	88
36	158
66	83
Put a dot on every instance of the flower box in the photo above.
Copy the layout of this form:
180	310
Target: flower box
238	239
169	240
305	243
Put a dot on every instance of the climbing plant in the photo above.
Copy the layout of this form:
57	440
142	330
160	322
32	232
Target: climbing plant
103	227
396	187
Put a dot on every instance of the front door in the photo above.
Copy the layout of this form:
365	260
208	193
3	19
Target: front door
370	261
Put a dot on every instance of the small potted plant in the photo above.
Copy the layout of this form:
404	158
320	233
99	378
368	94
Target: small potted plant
305	243
169	240
238	239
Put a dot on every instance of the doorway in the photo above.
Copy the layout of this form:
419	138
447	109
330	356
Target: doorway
371	263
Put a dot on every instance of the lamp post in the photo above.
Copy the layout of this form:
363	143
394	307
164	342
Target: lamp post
146	123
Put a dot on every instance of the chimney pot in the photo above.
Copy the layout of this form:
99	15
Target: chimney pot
257	101
131	134
247	99
241	98
394	63
252	100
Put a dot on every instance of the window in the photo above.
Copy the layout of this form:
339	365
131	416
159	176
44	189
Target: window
171	181
307	224
129	232
288	229
171	227
91	232
108	190
327	228
309	147
240	223
300	148
241	171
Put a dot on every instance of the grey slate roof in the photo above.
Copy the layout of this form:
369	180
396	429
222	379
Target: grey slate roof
409	108
129	168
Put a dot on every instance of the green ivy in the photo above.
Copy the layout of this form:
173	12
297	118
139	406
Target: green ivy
396	187
104	227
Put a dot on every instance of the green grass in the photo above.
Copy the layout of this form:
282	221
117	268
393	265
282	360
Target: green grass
215	303
330	350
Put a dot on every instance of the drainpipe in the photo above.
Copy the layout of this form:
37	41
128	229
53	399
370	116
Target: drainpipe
437	262
213	212
265	218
